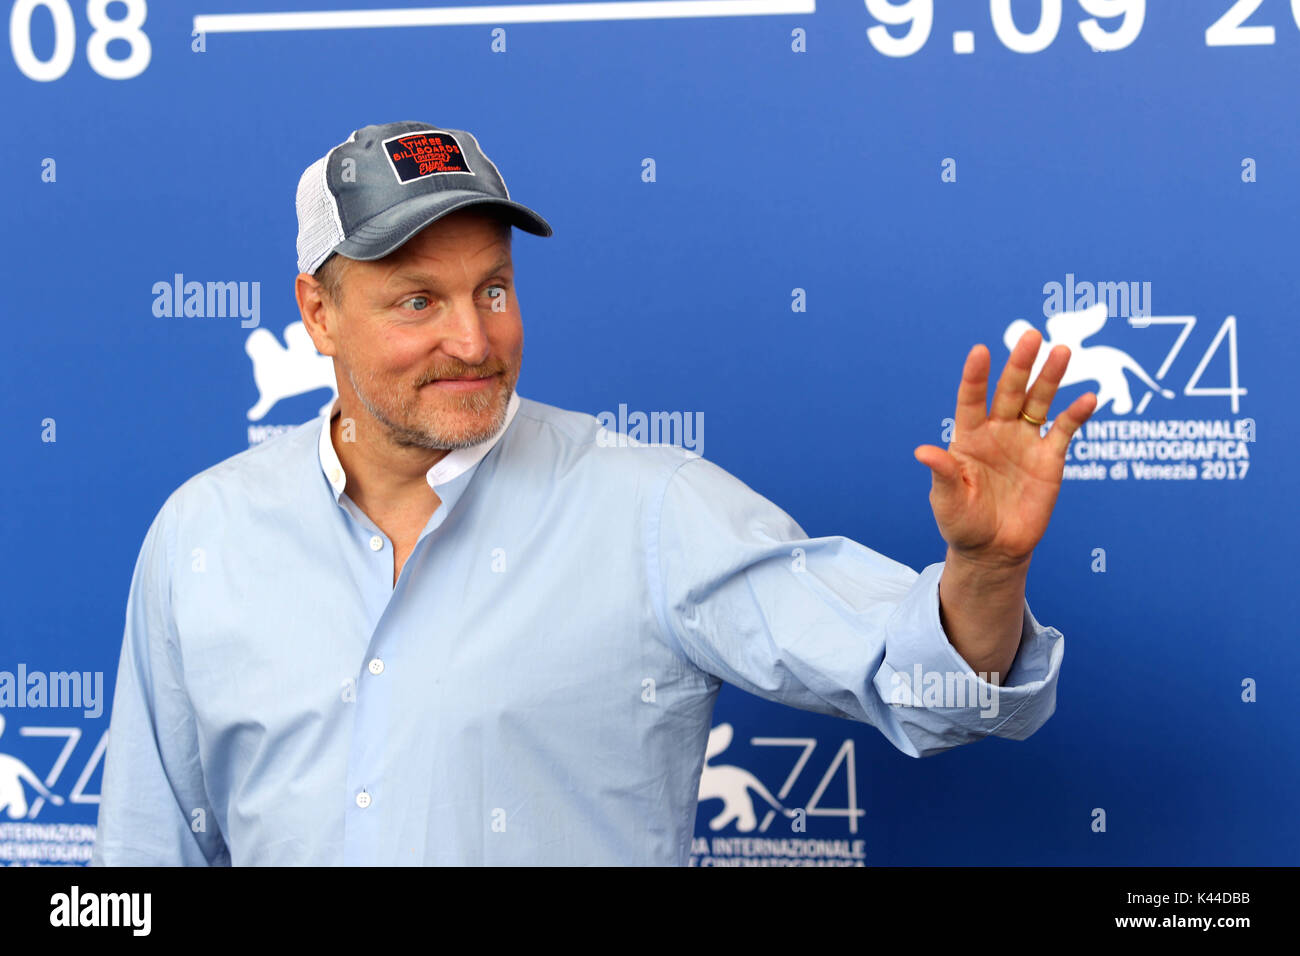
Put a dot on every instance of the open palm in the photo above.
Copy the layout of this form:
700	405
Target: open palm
994	487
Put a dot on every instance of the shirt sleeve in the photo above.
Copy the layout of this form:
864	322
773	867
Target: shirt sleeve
827	624
154	809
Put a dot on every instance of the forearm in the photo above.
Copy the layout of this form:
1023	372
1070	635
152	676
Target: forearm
981	608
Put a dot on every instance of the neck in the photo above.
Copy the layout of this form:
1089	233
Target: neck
378	470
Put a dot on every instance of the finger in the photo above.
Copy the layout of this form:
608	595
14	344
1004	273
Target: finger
972	400
1068	422
943	466
1039	400
1010	396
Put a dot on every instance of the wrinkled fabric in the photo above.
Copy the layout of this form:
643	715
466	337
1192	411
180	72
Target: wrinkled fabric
538	686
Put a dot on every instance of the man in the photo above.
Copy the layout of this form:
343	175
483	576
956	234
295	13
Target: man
445	624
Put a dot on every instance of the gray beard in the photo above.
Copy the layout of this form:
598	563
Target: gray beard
437	441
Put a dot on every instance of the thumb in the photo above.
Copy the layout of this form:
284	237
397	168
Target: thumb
941	464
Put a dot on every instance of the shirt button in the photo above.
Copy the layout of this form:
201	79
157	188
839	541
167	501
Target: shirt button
363	799
376	666
376	543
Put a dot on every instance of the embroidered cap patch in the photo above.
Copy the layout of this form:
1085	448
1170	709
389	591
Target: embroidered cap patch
425	153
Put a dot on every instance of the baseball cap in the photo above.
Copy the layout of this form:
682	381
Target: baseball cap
383	184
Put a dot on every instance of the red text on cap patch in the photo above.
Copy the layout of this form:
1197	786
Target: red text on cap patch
415	155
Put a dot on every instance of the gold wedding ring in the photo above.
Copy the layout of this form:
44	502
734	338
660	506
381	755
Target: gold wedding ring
1032	421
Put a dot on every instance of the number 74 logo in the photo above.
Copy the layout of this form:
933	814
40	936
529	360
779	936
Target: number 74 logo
14	773
733	785
1228	329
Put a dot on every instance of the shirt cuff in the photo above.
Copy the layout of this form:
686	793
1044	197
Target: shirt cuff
952	704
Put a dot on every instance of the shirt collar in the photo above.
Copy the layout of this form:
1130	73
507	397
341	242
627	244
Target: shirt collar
451	466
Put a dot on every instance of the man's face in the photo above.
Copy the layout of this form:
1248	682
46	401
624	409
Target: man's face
429	338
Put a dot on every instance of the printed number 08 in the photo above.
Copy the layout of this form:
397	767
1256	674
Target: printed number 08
104	30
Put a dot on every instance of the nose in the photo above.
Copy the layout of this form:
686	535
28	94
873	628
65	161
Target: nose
464	337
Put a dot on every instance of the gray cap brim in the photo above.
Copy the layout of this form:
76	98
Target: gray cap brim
392	227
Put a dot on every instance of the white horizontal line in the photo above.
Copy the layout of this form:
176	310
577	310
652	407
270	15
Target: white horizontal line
505	13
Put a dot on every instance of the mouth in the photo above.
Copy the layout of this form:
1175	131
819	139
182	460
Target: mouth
466	384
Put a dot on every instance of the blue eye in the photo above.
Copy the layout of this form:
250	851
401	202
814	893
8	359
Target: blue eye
418	298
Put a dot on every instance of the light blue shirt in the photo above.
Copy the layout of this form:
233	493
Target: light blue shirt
538	686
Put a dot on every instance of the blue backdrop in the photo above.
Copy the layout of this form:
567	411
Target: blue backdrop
793	222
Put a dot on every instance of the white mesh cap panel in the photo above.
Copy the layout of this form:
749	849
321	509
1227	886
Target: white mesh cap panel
319	227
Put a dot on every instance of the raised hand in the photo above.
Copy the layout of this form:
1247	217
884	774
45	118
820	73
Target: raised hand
993	489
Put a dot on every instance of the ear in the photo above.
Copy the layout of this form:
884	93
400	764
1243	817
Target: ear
319	318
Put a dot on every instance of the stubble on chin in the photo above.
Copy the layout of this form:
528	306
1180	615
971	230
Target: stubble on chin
400	413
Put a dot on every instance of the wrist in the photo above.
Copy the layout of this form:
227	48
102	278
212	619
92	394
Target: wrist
985	564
